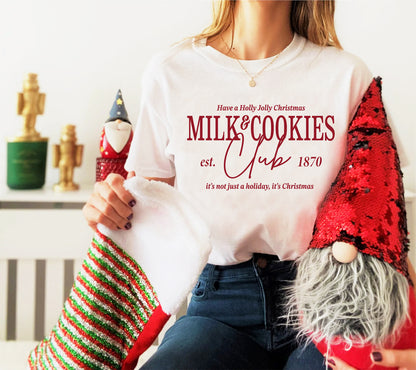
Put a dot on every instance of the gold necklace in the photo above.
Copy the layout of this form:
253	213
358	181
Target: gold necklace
252	81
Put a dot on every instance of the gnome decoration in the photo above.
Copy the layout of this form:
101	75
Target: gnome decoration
353	293
115	141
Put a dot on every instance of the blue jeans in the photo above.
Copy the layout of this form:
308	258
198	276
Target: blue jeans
234	322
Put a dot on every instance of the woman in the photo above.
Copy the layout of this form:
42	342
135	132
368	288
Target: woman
249	120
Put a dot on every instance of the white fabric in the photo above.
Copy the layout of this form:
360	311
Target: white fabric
192	79
168	239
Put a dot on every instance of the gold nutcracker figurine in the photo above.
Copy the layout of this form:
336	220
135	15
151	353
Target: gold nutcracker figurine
67	155
30	103
26	152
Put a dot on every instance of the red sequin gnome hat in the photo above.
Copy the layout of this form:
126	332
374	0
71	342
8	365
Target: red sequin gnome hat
365	206
129	285
351	309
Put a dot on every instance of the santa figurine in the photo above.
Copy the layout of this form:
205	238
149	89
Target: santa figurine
115	141
353	294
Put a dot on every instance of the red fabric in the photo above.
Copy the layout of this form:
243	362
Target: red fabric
359	357
365	205
146	338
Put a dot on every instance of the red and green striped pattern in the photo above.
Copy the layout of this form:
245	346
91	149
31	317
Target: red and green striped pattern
108	307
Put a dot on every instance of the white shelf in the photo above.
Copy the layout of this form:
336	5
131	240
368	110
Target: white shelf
46	195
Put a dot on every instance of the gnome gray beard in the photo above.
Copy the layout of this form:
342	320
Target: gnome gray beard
364	301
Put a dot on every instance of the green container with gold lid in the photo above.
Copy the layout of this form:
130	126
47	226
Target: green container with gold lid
26	164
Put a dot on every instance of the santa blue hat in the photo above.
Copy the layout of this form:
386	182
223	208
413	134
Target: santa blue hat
118	110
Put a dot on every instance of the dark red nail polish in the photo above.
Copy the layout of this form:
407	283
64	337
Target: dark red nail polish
130	217
377	357
127	226
118	228
132	203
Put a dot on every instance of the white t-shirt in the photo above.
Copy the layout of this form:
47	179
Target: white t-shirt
256	161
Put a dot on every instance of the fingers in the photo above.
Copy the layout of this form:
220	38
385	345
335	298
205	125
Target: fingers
110	204
112	210
112	190
94	217
405	358
337	364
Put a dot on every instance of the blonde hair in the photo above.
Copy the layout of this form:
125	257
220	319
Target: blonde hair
312	19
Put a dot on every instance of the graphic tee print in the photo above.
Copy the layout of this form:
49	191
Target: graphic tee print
256	161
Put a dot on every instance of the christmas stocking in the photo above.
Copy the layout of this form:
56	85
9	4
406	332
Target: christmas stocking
353	293
129	285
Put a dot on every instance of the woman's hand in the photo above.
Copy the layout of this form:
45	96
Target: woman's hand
110	204
403	359
337	364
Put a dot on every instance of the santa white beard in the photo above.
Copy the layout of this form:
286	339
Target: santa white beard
361	302
117	134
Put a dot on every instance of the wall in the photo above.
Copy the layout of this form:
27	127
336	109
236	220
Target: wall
382	33
85	50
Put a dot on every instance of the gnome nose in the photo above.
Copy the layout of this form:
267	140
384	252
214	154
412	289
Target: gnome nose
344	252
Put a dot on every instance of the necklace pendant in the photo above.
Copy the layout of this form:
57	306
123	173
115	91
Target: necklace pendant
252	83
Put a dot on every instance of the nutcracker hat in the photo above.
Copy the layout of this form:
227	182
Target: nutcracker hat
365	205
129	285
118	110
